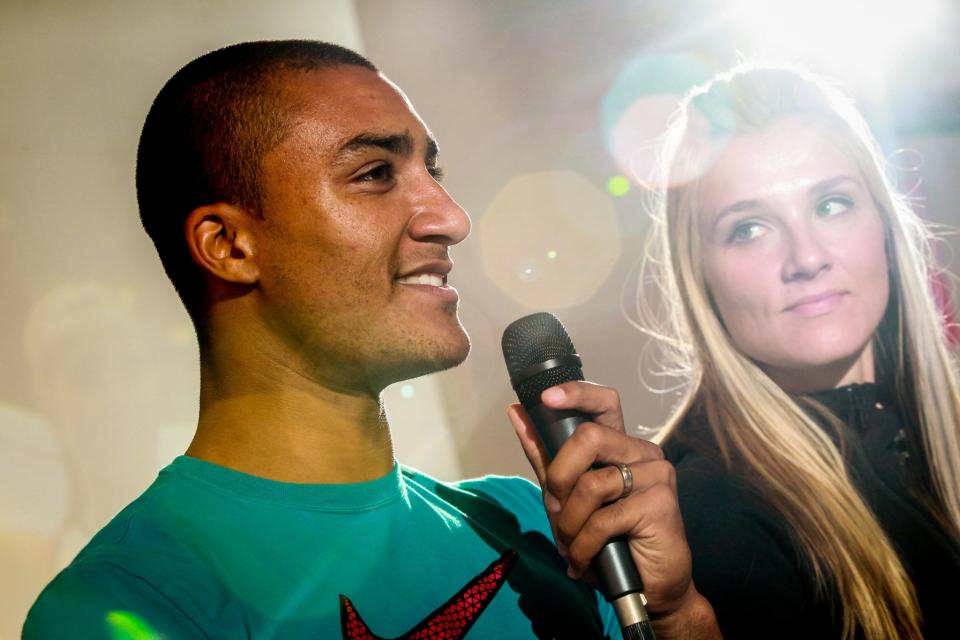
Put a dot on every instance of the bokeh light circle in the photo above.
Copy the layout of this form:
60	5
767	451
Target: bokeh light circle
549	240
640	104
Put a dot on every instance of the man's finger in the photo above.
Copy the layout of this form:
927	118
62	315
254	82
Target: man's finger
602	403
604	485
650	518
530	442
594	444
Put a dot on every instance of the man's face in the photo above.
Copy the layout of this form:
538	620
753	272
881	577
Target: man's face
353	245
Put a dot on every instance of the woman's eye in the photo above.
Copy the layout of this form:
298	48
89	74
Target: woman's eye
745	231
833	205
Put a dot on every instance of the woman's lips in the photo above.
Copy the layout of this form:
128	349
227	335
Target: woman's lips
817	304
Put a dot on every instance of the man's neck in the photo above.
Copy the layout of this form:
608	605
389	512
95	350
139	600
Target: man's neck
280	425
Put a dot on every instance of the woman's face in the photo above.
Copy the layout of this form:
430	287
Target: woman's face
793	256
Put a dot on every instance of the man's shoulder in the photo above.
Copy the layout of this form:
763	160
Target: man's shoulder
508	490
491	497
111	586
508	486
116	578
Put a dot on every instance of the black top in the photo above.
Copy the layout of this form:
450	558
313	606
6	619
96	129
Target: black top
747	564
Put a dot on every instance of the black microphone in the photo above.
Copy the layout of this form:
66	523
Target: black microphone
539	355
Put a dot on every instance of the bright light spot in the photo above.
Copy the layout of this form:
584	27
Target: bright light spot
535	233
856	39
407	391
618	186
639	105
528	271
124	625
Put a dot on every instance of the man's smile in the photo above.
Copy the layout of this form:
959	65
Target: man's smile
432	279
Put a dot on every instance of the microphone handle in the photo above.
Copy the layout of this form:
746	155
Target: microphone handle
619	580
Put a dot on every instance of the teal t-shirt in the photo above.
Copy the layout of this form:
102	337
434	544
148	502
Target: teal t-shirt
208	552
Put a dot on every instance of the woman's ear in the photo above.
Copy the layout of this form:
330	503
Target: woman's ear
221	241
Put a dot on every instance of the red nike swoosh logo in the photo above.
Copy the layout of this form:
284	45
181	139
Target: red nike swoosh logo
451	620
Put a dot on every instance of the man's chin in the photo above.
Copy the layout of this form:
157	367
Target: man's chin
448	355
452	347
460	355
431	358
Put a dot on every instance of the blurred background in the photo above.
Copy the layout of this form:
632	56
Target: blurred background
547	115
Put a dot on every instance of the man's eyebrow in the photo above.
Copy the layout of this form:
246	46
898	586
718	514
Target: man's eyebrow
401	144
433	150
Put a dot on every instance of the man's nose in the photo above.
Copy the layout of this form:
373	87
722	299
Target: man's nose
438	218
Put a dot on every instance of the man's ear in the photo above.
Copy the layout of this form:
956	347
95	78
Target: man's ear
220	238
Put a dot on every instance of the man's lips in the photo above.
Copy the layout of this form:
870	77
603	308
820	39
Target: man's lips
816	304
427	273
430	277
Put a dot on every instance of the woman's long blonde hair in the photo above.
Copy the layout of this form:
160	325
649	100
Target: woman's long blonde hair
757	426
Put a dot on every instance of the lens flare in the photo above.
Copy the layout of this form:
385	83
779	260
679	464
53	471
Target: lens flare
638	107
618	186
549	240
855	40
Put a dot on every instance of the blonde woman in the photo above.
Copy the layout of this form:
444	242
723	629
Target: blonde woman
816	450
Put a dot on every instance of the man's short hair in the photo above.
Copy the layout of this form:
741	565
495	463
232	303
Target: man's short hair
205	137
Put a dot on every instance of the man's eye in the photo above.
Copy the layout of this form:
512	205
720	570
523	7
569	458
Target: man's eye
380	173
833	205
437	173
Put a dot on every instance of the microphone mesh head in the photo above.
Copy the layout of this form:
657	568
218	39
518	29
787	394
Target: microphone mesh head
531	340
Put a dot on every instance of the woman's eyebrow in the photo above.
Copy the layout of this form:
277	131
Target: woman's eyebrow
737	207
825	186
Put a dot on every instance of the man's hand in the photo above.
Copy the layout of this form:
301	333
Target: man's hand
586	509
